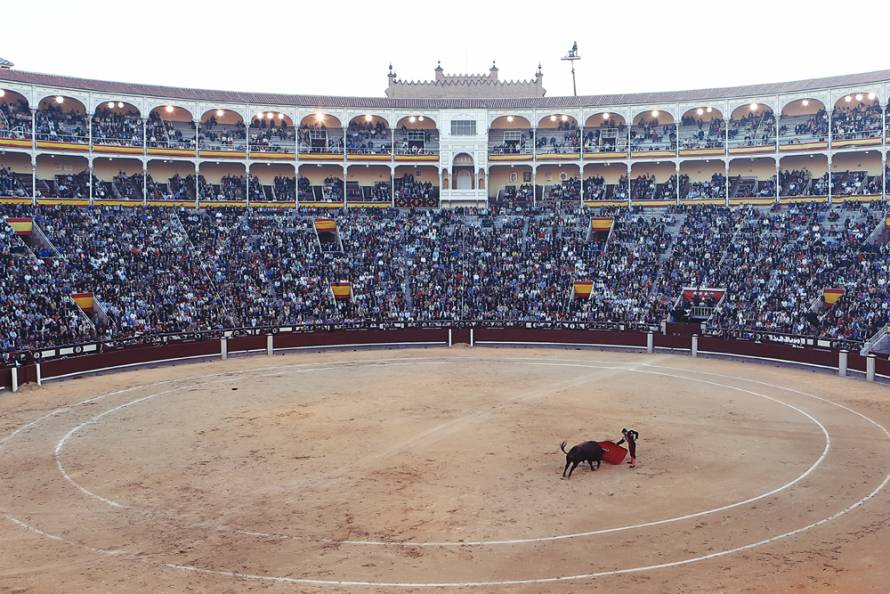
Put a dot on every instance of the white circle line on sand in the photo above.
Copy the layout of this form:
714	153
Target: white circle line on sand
576	577
491	542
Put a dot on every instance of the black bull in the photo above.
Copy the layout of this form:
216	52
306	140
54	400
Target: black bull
589	451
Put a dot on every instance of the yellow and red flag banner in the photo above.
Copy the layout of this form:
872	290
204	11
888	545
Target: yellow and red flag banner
887	222
601	223
831	295
21	226
325	225
83	300
342	291
583	289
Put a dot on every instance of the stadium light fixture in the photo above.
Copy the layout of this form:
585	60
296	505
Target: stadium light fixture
871	96
654	113
553	118
368	117
419	118
848	98
699	111
571	57
120	104
220	113
169	109
510	119
710	109
2	92
753	107
319	117
60	99
606	116
259	115
805	102
270	115
111	105
280	116
564	118
859	97
412	119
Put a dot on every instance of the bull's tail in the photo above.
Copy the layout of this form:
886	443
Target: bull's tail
562	446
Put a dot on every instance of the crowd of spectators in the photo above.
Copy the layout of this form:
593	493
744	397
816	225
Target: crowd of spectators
566	138
116	128
368	138
755	128
711	188
11	185
650	135
272	136
54	124
214	135
857	121
168	134
808	128
696	133
320	139
15	120
155	270
606	139
409	192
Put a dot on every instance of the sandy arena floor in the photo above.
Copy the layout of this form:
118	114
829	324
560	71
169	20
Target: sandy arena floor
439	470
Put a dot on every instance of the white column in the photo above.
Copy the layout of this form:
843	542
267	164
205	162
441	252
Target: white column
842	363
223	348
270	348
15	379
472	337
90	171
870	368
145	181
695	345
830	178
33	180
449	337
39	374
650	342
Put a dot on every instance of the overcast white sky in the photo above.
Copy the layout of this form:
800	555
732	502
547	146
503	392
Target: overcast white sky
343	48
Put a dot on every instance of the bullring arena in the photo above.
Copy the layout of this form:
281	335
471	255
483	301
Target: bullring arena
438	469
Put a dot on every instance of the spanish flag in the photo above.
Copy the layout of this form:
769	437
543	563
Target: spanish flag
21	226
830	295
342	291
583	289
325	225
83	300
599	224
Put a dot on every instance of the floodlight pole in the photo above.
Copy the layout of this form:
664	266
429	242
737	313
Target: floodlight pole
572	57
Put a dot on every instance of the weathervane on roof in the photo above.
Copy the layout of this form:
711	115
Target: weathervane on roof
572	57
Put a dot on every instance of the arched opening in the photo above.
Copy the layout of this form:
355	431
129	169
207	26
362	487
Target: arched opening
605	133
510	186
63	177
62	119
368	184
605	181
320	136
702	180
752	128
559	186
320	184
803	176
702	128
272	133
856	119
15	175
15	117
222	130
509	138
416	136
368	135
171	180
751	179
273	182
222	182
557	135
117	123
856	174
117	179
655	181
416	187
803	122
170	127
653	131
463	172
